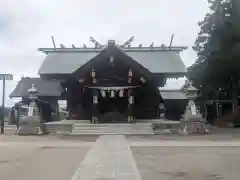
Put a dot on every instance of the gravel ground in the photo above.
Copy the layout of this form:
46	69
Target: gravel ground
188	163
216	134
30	162
57	157
47	138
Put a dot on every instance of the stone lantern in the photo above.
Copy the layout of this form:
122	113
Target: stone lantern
192	121
33	109
31	123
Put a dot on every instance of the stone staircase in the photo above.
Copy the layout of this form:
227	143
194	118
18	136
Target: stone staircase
105	129
166	127
10	129
62	127
141	127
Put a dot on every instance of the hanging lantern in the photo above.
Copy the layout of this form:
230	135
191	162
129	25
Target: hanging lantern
131	100
129	80
121	93
130	73
103	93
95	99
93	73
161	106
112	94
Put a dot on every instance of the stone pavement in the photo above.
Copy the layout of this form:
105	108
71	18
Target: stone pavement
110	158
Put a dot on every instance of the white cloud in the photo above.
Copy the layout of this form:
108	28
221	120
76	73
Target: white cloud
28	24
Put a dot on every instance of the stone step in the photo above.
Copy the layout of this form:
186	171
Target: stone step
54	128
149	120
110	132
9	129
166	125
111	129
113	125
164	131
101	129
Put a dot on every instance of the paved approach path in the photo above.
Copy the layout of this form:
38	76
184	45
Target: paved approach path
109	159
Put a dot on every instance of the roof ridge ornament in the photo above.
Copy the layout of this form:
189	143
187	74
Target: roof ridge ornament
128	42
111	42
97	44
151	45
62	46
125	47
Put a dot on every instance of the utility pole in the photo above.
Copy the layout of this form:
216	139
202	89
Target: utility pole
4	77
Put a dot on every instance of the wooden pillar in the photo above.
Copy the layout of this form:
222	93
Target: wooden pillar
206	111
217	109
130	106
18	117
57	112
94	106
94	97
130	97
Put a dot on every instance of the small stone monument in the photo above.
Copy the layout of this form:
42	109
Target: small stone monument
31	124
192	121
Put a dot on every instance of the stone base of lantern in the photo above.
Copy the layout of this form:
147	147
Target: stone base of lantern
193	122
94	120
130	119
193	126
30	125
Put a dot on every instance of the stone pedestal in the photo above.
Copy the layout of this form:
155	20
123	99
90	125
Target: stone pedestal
192	122
32	123
29	125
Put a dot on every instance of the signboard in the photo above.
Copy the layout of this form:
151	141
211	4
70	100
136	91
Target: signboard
8	77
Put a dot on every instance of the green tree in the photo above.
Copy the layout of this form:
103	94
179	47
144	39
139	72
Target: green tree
218	50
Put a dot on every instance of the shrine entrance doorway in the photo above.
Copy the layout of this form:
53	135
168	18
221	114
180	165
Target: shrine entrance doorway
112	109
114	104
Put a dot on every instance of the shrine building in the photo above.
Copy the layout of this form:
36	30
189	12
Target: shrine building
105	83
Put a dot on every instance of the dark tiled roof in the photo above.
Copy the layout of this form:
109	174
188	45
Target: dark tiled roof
45	87
159	61
69	60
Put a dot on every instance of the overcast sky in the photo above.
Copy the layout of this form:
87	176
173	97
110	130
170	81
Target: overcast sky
26	25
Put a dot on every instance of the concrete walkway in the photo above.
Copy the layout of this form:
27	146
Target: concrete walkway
110	158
